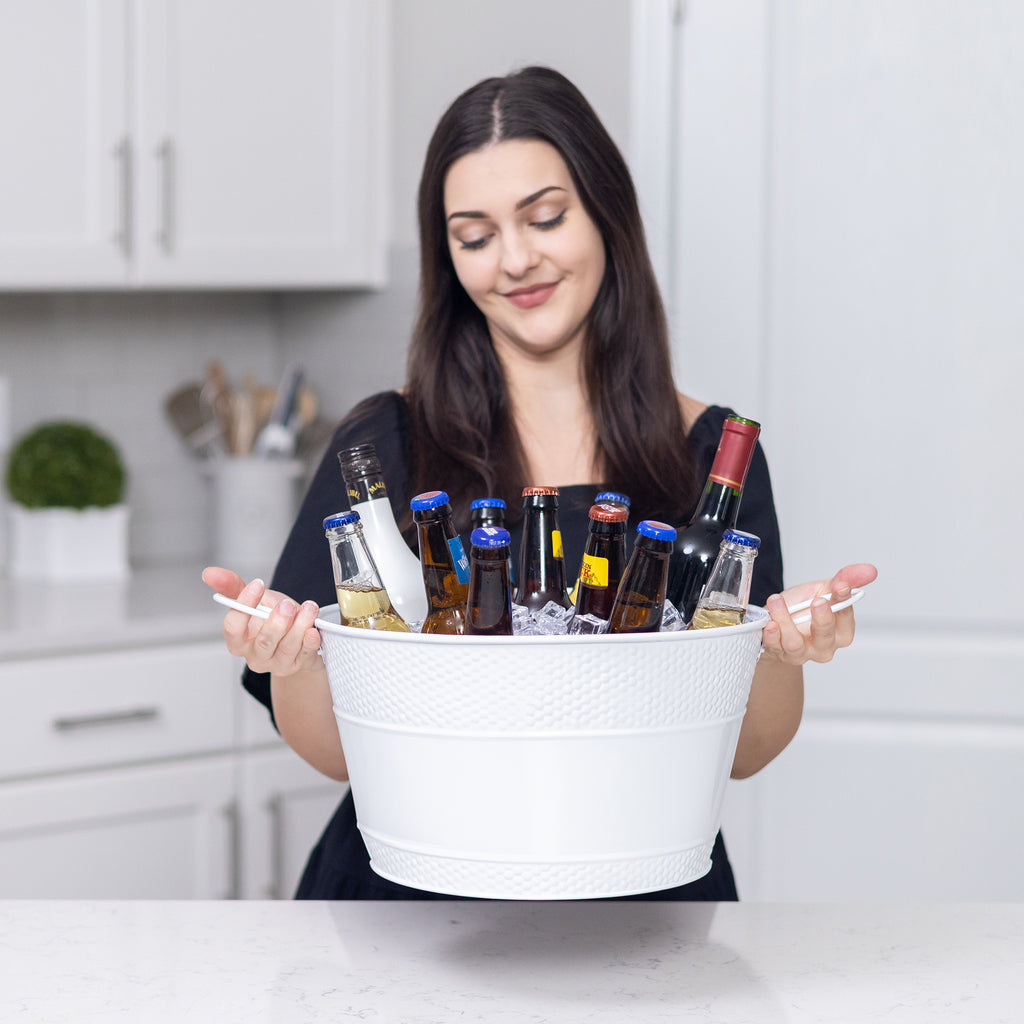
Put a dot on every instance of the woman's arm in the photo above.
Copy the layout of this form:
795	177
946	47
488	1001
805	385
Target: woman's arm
776	700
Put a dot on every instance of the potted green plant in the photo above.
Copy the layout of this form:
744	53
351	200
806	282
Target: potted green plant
66	482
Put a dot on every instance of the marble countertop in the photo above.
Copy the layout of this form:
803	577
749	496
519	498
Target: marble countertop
167	604
510	963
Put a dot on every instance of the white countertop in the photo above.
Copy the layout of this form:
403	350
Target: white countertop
510	963
167	604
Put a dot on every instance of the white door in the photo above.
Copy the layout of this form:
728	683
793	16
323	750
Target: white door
259	134
65	175
164	831
843	261
285	805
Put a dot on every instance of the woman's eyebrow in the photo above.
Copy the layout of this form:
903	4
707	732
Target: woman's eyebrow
522	204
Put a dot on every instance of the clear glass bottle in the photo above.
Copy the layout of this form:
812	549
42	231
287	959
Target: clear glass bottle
602	565
363	601
541	573
640	599
697	544
443	561
727	591
397	563
489	605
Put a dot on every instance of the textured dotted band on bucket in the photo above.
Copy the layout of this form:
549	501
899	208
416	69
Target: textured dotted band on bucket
540	767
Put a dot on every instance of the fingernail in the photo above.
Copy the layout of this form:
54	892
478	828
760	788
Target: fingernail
253	587
288	607
310	607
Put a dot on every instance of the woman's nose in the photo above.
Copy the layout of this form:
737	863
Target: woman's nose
518	254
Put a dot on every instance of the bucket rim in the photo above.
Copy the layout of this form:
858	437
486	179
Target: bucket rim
328	622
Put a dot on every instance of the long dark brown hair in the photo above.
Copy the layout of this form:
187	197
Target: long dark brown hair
463	433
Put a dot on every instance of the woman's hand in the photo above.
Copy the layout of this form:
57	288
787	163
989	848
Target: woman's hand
827	631
283	644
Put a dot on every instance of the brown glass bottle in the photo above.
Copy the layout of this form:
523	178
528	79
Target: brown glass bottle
640	599
697	544
603	562
444	563
541	573
489	606
487	512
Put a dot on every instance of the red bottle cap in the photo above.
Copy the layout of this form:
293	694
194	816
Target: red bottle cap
527	491
602	513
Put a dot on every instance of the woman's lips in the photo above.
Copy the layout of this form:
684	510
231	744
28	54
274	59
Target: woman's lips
527	298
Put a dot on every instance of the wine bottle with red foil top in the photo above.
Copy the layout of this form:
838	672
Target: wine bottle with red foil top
601	568
489	606
541	574
697	545
444	563
640	599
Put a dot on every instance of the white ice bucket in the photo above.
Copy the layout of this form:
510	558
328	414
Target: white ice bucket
540	767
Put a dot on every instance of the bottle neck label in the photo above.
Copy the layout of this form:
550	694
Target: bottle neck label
459	559
556	543
732	460
366	489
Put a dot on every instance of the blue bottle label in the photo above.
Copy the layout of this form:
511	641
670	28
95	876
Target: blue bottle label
459	559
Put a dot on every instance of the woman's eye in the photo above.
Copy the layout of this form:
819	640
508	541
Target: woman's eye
547	225
474	243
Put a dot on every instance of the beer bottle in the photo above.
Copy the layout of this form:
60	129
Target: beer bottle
541	573
640	599
696	546
362	600
443	561
604	559
489	606
487	512
727	591
613	498
398	566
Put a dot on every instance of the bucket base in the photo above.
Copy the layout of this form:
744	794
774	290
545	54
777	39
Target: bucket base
537	880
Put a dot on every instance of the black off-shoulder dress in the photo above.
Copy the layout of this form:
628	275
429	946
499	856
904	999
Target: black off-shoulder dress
339	865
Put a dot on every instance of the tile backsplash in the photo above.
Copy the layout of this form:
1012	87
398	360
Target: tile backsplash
112	358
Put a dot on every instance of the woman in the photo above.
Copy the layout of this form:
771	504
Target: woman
540	355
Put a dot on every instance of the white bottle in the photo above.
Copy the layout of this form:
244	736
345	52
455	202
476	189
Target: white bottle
399	568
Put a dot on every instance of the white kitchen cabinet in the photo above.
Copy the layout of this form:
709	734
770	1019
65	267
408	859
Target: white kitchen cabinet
141	832
192	143
284	805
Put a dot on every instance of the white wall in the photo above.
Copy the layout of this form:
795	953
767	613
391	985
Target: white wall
848	266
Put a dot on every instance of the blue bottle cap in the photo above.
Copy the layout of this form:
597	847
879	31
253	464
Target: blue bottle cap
490	537
655	530
748	540
622	499
487	503
428	499
341	519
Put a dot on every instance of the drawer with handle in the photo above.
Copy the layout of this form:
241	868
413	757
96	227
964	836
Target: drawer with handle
99	709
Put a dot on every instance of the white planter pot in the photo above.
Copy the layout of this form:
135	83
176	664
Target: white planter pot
67	545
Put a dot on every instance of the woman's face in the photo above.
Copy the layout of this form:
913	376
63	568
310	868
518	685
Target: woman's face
523	246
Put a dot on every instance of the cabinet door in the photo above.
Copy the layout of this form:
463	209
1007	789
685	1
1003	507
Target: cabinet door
155	832
284	806
259	127
65	172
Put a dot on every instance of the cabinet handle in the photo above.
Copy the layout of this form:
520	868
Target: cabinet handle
123	236
233	816
275	811
166	158
106	718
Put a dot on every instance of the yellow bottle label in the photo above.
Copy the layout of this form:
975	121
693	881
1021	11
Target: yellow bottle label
594	571
556	543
